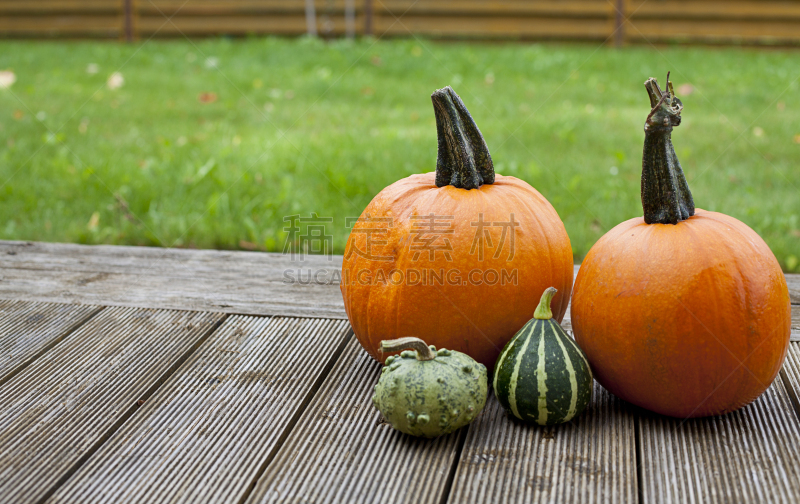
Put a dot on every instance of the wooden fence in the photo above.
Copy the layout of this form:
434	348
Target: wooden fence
614	21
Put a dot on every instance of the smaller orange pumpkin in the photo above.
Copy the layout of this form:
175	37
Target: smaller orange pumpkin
683	312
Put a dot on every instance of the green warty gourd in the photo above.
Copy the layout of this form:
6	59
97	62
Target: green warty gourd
428	392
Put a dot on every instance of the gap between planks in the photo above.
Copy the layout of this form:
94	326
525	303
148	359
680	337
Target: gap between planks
228	429
296	417
340	451
23	307
47	341
790	374
308	398
91	380
133	408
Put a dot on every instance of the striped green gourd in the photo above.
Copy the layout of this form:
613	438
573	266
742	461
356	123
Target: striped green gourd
542	376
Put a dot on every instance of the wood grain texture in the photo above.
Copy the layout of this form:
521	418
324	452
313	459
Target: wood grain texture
591	459
795	336
726	30
759	22
87	25
793	282
50	7
27	329
341	452
236	7
714	9
790	373
65	404
567	8
510	27
749	455
251	283
204	436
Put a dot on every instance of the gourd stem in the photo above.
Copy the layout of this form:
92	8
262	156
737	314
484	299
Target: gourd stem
666	198
463	159
543	311
424	352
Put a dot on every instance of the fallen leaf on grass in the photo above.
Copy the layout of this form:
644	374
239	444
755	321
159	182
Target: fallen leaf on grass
207	97
7	78
94	221
115	81
247	245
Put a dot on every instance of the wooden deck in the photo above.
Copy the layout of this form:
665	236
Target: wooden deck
157	375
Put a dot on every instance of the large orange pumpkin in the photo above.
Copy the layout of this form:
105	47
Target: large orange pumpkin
458	257
683	312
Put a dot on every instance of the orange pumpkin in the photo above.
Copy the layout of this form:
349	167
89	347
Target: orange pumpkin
458	257
682	312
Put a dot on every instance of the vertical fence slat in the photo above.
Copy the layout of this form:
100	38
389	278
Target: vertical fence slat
350	18
619	23
367	17
127	13
311	18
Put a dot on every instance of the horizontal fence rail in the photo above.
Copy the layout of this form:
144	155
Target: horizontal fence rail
612	21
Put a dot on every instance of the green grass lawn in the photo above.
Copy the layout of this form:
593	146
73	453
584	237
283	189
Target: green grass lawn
301	126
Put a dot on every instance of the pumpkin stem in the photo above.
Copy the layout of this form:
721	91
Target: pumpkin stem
464	159
666	198
424	352
543	311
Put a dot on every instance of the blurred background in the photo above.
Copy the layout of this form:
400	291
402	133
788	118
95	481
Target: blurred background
209	123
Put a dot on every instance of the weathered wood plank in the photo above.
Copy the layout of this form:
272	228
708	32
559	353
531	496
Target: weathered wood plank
341	452
749	455
495	27
237	7
253	283
209	429
795	336
791	375
591	459
50	7
205	280
27	329
793	281
519	8
66	403
74	25
714	9
727	30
